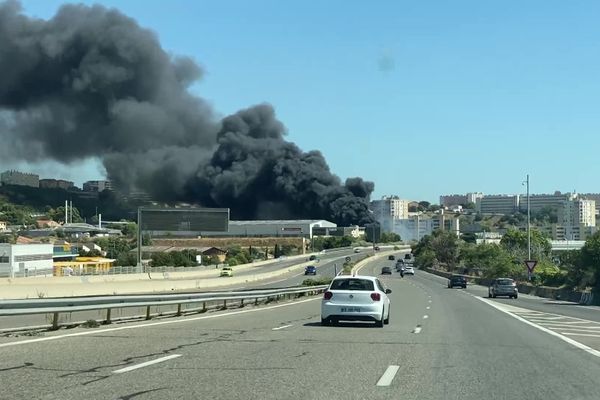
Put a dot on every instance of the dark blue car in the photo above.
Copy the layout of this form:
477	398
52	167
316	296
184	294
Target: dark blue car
310	270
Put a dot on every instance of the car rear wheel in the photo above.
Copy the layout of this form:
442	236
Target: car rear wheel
516	296
464	286
380	323
387	320
325	321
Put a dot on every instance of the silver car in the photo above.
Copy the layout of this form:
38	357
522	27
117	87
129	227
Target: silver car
503	287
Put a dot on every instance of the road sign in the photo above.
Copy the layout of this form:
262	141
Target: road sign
530	265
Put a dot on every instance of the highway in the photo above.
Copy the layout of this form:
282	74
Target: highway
327	265
441	344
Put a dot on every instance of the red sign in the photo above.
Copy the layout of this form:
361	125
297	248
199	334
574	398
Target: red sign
530	264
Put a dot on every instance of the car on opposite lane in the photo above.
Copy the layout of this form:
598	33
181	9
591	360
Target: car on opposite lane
227	271
356	298
503	287
310	270
457	280
386	271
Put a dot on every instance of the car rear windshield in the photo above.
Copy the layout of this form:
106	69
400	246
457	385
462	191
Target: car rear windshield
352	284
504	282
457	278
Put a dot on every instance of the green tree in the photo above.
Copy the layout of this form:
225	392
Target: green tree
469	237
590	260
516	243
491	259
130	230
389	237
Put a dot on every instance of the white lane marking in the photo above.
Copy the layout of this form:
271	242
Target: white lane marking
417	330
425	316
590	329
572	342
430	302
428	307
579	334
388	376
145	364
145	325
281	327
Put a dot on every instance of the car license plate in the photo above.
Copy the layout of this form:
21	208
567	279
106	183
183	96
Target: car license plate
349	309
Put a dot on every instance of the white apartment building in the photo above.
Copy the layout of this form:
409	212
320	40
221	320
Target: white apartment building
389	209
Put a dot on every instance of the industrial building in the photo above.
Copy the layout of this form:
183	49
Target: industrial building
272	228
25	259
352	231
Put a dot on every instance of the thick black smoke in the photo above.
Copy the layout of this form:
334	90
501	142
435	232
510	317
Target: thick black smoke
91	83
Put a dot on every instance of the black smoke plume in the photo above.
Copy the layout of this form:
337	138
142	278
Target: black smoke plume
91	83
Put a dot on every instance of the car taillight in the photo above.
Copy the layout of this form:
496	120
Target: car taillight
328	295
375	296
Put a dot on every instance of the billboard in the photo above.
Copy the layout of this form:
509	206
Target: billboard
187	221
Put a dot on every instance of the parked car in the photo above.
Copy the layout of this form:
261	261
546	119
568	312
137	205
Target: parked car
503	287
386	271
227	271
457	280
310	270
356	298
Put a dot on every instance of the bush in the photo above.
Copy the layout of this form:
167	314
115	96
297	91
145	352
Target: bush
316	281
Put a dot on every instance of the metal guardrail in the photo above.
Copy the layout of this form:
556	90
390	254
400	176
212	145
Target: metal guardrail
56	306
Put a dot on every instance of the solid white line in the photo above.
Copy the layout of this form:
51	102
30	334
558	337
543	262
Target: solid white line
548	331
425	316
417	330
145	325
388	376
281	327
590	329
145	364
579	334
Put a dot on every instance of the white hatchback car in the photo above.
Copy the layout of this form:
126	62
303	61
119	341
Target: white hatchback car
409	270
356	298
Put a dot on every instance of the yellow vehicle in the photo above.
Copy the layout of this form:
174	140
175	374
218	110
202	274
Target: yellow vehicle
227	271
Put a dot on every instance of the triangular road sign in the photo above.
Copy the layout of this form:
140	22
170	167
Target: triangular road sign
530	264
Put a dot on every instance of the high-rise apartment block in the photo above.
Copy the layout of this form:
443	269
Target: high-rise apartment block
19	178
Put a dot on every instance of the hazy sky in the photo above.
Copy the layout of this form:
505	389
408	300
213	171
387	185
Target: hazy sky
421	97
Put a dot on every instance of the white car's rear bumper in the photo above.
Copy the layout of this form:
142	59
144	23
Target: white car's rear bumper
349	312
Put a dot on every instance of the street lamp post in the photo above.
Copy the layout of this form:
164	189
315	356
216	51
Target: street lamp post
528	223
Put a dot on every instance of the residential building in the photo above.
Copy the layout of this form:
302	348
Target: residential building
577	212
540	201
3	226
389	209
97	186
415	227
592	196
446	222
449	200
56	184
473	196
13	177
497	204
25	259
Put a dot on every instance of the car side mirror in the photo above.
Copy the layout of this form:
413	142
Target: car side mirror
388	291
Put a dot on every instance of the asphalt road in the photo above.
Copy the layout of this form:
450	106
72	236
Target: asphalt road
327	264
440	344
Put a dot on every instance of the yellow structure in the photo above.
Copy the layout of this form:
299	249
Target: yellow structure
83	266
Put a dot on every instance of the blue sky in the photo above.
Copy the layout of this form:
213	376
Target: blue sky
422	97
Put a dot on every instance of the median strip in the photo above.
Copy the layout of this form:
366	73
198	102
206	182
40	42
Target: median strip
147	363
